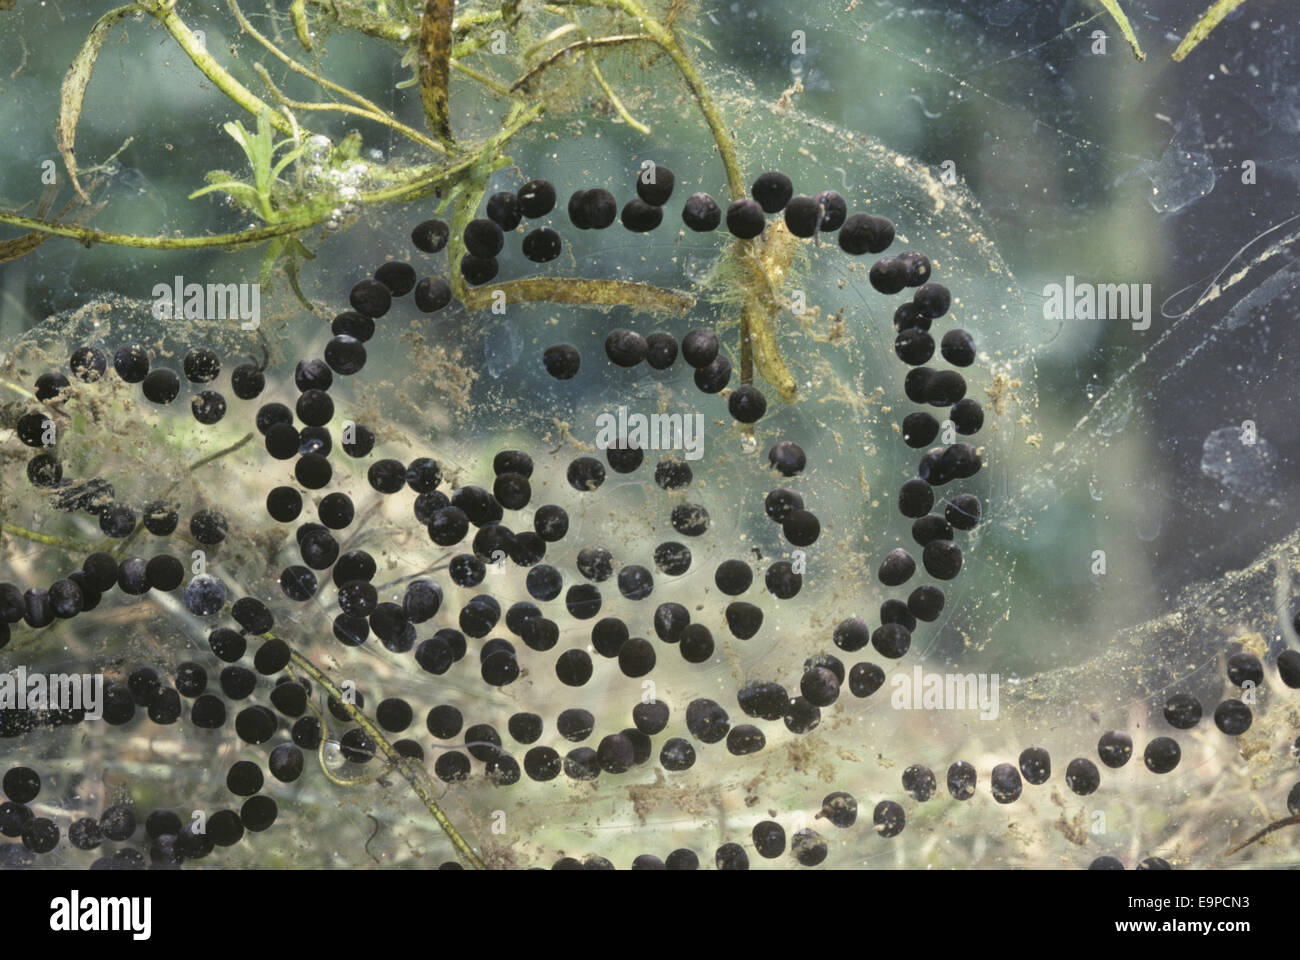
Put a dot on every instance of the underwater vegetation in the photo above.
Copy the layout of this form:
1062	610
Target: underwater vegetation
536	442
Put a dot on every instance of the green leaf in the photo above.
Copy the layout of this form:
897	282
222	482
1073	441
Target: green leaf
235	129
264	146
242	192
287	159
408	60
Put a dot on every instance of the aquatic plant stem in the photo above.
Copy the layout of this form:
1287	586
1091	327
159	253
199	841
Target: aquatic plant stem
622	111
1209	20
165	13
665	39
330	775
577	290
298	14
224	451
363	21
767	264
415	775
363	107
421	182
1125	28
20	390
403	129
435	67
500	89
588	44
1275	825
88	235
45	539
463	211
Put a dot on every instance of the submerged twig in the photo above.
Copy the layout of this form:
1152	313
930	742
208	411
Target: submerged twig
1275	825
224	451
587	44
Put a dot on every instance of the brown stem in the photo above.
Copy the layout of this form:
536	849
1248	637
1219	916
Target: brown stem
1275	825
523	82
435	67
